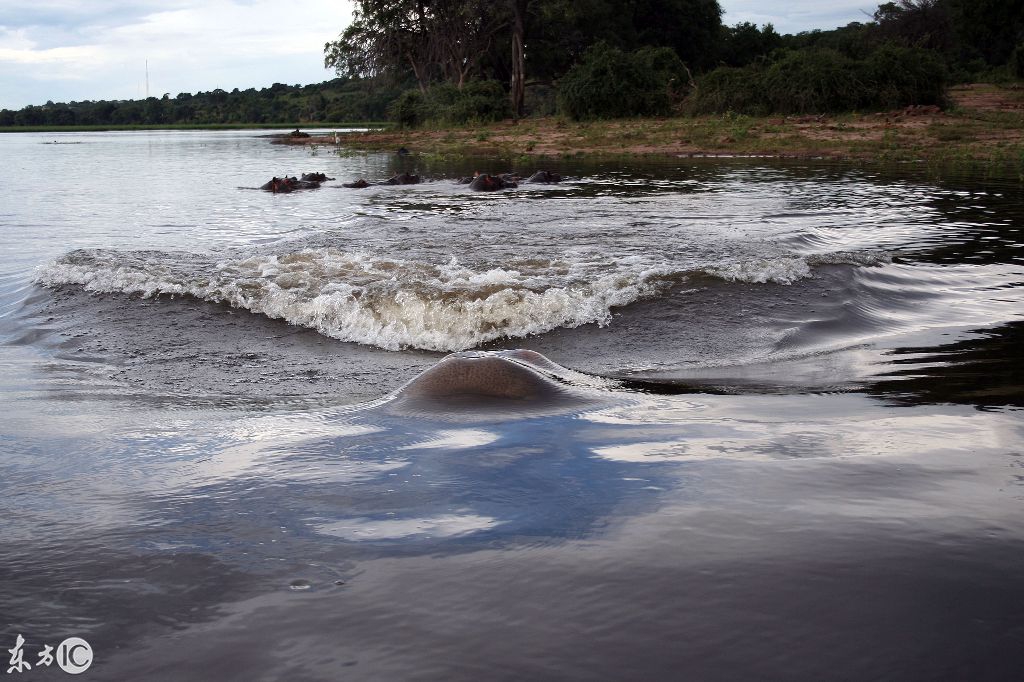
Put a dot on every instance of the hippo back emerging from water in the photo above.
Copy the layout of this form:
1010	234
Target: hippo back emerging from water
492	382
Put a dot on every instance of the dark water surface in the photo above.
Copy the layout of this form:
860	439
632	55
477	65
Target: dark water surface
782	440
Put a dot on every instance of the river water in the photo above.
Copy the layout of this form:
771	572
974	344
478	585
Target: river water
782	438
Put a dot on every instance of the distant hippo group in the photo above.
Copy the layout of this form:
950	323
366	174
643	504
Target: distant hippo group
400	179
484	182
481	182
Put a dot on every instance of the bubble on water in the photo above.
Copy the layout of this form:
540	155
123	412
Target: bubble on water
300	584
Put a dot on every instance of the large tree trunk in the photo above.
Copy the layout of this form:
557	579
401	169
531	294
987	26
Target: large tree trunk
418	73
518	57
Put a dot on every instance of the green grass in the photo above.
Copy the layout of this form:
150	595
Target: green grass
951	132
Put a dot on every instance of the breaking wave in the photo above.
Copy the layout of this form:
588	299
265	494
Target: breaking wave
394	303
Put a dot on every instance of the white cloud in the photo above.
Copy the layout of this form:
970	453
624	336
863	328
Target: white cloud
58	50
64	50
54	55
797	15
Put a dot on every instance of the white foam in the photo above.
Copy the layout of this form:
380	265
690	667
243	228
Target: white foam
866	258
394	303
784	270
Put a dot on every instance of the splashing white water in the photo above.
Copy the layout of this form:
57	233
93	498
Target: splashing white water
394	303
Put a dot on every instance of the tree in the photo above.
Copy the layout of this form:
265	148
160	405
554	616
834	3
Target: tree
518	85
990	28
562	30
432	39
462	32
693	28
384	38
917	23
744	42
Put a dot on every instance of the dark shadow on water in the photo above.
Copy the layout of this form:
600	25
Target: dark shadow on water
986	371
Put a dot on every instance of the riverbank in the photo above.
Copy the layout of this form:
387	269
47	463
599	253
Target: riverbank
985	125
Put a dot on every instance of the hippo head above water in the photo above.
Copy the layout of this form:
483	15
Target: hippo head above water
545	177
315	177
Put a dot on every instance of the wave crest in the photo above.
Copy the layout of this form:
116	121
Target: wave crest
395	303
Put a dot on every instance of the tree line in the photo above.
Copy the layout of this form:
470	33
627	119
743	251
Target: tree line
338	100
605	58
513	42
457	61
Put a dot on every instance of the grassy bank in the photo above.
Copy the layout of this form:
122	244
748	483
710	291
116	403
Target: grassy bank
985	126
193	126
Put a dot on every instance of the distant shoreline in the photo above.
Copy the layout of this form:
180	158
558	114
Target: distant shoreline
193	126
985	126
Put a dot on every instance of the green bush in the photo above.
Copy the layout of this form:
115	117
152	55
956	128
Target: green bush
729	88
813	82
540	99
817	81
1017	62
410	110
610	83
476	101
897	76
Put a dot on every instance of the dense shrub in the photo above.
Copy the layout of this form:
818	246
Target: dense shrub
541	100
727	88
1017	62
898	76
813	81
610	83
410	110
476	101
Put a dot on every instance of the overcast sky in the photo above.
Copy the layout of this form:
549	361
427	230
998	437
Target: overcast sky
65	50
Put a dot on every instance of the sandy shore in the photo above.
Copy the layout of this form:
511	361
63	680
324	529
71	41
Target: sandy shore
985	123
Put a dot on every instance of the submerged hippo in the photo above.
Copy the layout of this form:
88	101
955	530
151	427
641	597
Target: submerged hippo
546	177
358	184
402	179
491	183
286	184
315	177
504	177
